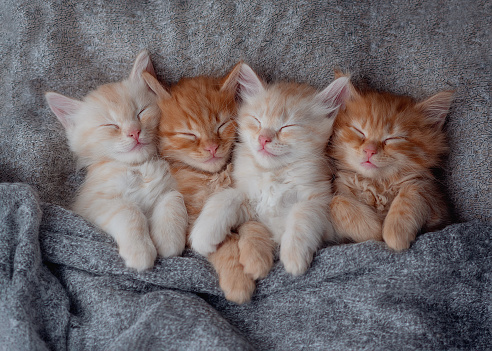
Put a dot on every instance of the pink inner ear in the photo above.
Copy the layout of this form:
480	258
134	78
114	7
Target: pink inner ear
249	83
142	64
63	107
336	94
437	107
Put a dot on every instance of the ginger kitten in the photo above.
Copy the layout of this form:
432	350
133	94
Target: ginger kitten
128	191
385	146
281	175
197	132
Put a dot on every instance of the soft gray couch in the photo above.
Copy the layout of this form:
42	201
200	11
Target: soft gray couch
62	284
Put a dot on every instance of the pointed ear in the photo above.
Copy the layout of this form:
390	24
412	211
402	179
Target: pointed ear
63	107
142	64
249	83
437	107
155	86
230	81
335	95
339	73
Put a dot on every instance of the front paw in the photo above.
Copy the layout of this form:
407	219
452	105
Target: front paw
139	255
200	240
295	261
397	235
354	220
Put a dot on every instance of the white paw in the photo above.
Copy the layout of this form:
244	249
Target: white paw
295	261
139	255
201	239
172	248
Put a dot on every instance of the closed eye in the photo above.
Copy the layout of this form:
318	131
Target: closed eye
115	126
139	115
394	139
257	121
358	131
190	136
223	126
288	126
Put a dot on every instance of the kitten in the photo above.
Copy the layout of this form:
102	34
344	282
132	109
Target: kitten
384	147
197	132
128	192
281	175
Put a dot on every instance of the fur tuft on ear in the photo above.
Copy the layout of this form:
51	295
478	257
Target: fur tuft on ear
339	73
249	82
63	107
437	107
335	95
155	86
142	64
230	81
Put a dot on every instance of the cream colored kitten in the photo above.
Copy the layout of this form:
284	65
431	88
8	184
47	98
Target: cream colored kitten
281	176
129	192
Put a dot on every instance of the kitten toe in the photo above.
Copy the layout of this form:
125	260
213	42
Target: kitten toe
139	256
294	261
396	236
237	286
255	249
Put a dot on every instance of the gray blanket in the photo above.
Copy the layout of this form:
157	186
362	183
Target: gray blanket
62	284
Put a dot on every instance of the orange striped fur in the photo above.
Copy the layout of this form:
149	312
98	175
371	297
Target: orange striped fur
385	146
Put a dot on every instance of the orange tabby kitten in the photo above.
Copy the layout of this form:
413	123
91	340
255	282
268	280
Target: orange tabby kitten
197	133
384	146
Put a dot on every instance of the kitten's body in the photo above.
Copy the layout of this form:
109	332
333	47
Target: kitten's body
128	191
384	147
281	177
197	133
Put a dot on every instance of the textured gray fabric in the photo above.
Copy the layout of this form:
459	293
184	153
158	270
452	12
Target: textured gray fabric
62	284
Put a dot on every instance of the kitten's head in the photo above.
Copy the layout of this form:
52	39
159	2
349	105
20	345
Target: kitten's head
285	122
117	121
381	135
198	124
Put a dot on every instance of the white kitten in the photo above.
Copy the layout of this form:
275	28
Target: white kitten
281	175
129	192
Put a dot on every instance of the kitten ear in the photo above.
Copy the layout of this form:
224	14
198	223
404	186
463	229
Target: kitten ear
230	81
142	64
63	107
335	95
437	107
155	86
249	83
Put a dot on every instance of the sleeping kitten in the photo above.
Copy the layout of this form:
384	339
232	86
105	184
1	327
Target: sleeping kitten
197	133
129	192
384	147
281	176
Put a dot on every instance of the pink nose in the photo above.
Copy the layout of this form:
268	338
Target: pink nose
134	133
212	149
370	150
264	139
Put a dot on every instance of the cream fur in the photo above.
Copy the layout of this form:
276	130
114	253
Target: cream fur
129	192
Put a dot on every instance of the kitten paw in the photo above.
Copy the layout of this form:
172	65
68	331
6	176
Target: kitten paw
354	220
237	286
200	241
294	261
396	236
255	249
139	256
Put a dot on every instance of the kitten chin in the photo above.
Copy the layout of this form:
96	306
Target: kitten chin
385	146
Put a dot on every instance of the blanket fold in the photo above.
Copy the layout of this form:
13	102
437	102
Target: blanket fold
69	289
